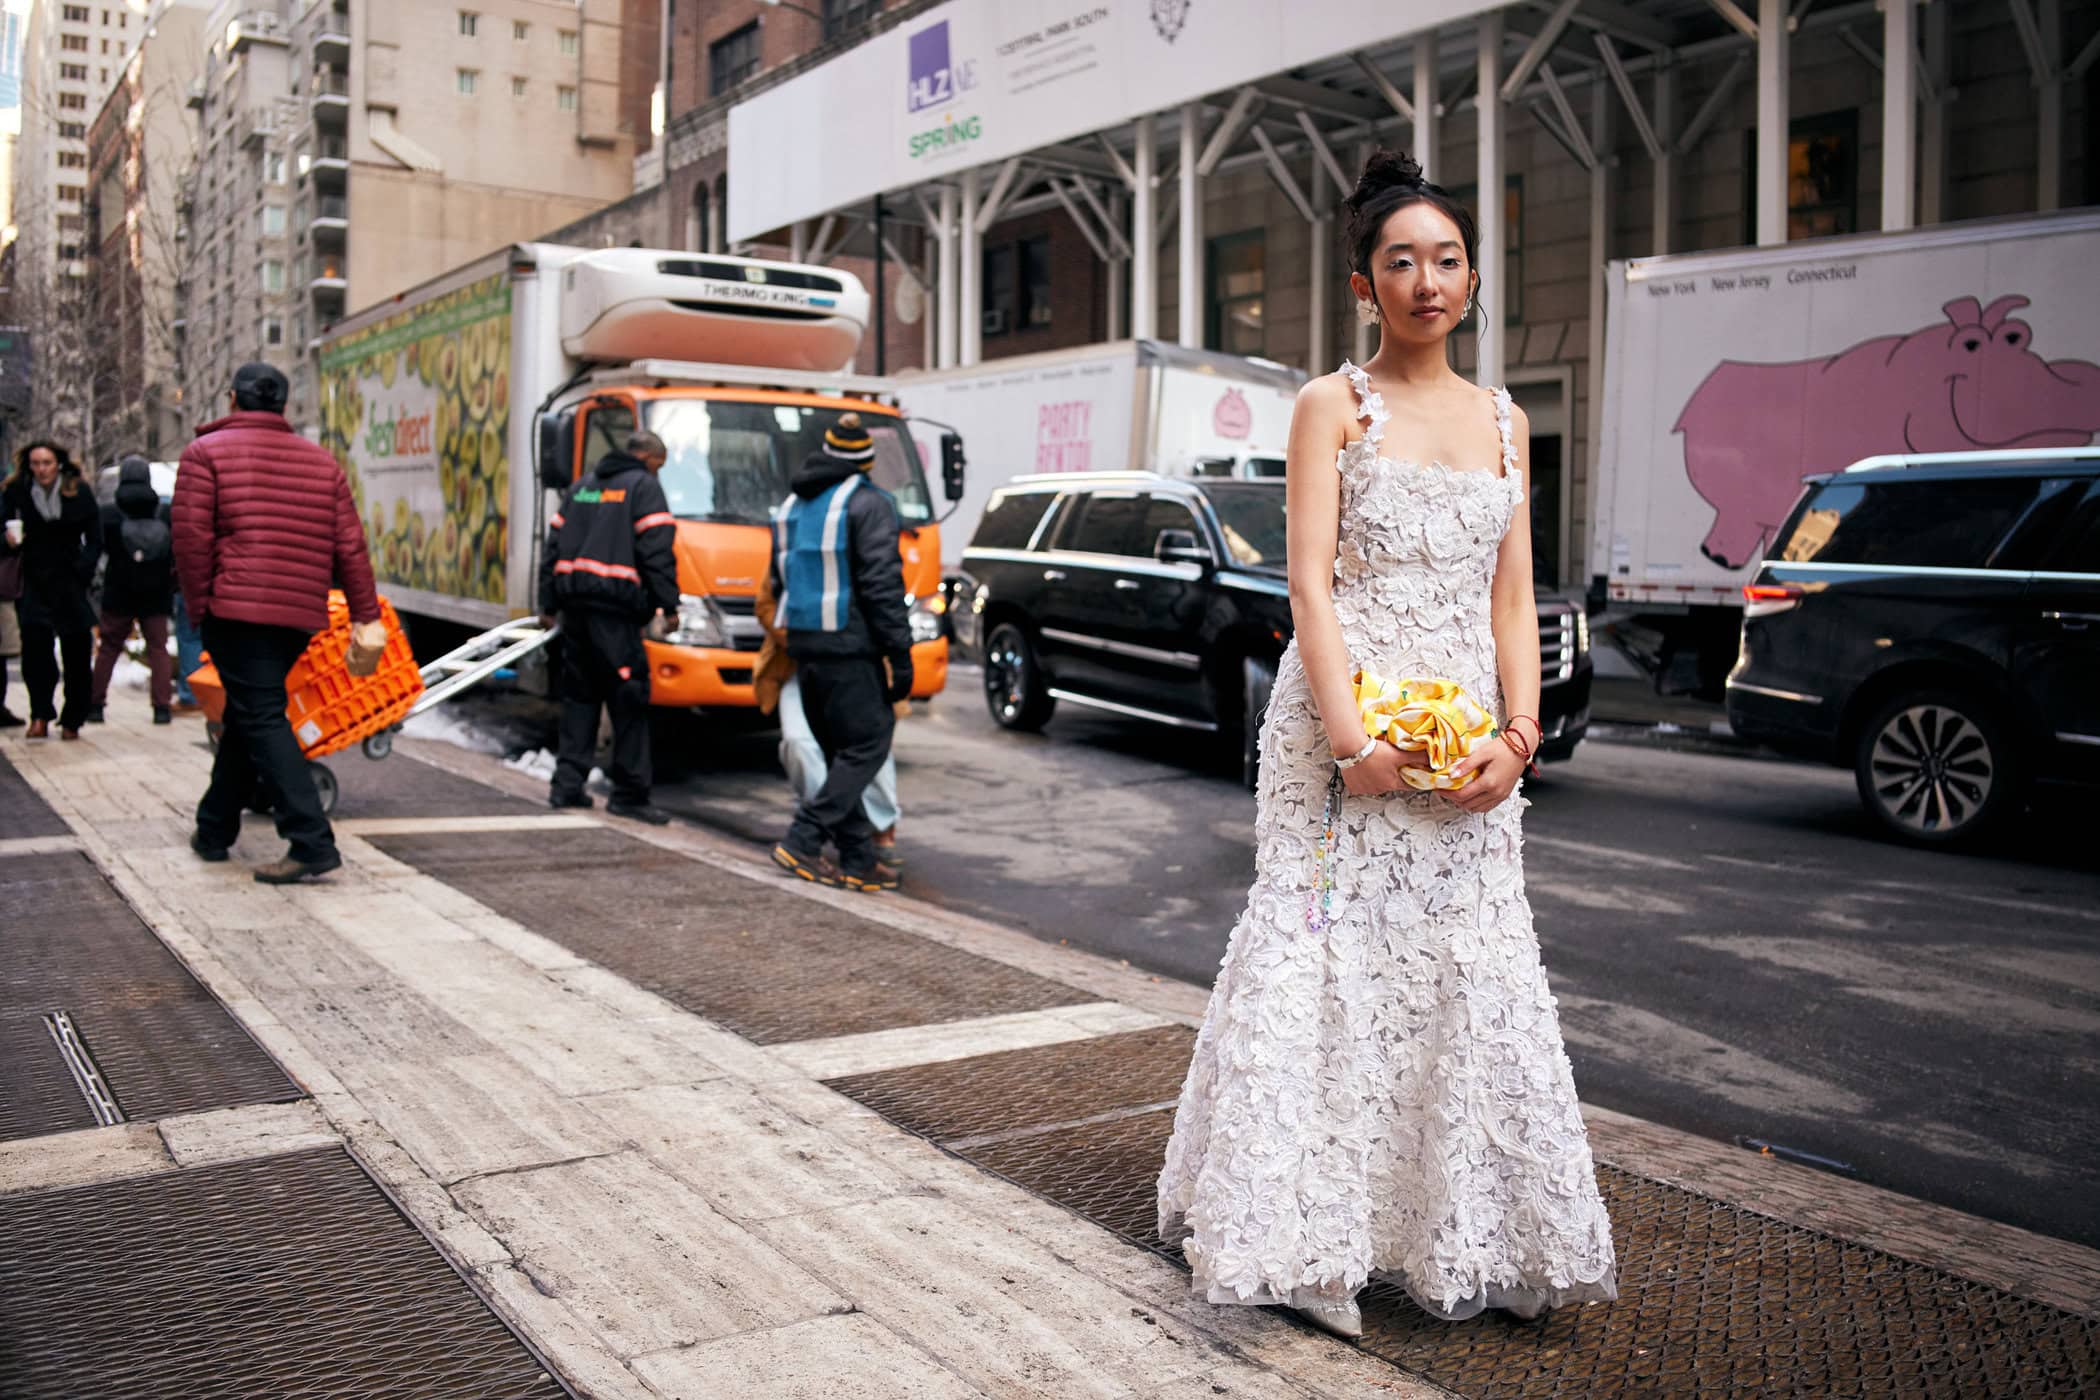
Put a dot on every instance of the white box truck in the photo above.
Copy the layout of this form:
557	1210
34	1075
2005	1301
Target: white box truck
1128	405
459	408
1730	376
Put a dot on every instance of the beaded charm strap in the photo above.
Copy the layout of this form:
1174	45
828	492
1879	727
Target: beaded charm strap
1321	913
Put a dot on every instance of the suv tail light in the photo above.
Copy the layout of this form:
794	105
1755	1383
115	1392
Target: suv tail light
1765	599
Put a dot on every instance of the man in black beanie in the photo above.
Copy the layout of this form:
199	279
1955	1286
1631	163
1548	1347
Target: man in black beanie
839	580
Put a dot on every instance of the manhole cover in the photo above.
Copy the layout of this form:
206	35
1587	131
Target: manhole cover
22	813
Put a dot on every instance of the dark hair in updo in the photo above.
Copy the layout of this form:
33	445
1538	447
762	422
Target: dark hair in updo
1391	181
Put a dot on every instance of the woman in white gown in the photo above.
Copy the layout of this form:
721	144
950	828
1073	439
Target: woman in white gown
1380	1088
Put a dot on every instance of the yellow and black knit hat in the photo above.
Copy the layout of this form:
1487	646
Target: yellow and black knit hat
848	441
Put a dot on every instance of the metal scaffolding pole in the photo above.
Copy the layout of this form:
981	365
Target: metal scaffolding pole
950	305
1489	109
1426	110
1317	300
970	276
1899	114
1189	248
1772	71
1144	248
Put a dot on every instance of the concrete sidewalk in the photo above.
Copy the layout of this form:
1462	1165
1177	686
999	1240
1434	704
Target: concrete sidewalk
665	1207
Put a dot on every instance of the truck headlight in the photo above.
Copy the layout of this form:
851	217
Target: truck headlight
1582	630
925	621
698	624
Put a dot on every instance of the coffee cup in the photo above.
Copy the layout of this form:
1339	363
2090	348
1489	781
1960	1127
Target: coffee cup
14	533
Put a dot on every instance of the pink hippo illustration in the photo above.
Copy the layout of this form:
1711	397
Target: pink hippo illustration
1974	382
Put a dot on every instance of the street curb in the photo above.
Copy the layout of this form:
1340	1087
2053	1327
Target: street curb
2022	1262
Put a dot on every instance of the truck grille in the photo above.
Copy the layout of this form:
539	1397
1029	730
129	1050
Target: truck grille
740	618
1560	645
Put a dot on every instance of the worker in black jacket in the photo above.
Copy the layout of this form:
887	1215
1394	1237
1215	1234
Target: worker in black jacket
609	571
840	584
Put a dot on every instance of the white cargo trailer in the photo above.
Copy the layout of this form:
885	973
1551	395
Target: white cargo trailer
1129	405
1730	376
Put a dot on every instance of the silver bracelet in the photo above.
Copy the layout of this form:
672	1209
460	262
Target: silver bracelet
1360	755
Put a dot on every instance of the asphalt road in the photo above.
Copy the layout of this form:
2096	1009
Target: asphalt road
1735	950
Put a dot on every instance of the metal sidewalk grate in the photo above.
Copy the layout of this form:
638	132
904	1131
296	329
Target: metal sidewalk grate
402	786
748	954
69	942
1714	1300
285	1277
22	813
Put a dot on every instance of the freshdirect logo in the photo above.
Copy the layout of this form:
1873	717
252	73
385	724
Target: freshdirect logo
948	135
934	78
398	434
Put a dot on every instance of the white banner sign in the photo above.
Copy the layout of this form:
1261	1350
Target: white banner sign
981	80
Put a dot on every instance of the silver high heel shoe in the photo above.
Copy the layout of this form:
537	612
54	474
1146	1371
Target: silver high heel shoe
1342	1319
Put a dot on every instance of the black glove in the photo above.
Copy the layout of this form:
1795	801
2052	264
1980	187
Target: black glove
899	687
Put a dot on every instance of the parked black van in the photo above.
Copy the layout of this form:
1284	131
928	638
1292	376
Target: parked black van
1165	599
1933	621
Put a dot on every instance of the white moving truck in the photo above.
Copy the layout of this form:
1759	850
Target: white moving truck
1128	405
460	407
1730	376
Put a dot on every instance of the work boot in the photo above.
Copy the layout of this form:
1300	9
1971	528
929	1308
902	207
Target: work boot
163	715
875	879
39	729
205	850
291	872
68	736
8	718
815	869
560	801
639	812
886	847
95	715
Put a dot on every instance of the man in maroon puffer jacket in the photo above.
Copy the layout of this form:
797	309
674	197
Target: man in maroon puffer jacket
264	525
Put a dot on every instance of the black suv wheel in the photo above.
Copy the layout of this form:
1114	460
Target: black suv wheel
1013	683
1936	767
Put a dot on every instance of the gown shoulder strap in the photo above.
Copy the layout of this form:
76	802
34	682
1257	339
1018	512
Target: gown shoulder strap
1370	406
1506	428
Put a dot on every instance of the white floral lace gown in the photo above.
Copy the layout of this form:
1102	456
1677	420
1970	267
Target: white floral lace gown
1385	1091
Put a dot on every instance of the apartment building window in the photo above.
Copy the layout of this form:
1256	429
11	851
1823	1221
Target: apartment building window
72	160
72	192
1822	177
1238	275
520	30
75	14
1512	293
272	275
1017	286
565	98
72	131
73	43
73	101
67	252
269	220
570	44
732	59
842	15
273	168
469	24
517	87
273	331
469	81
73	72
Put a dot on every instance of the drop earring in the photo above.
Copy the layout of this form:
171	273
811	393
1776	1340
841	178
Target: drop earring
1467	313
1366	311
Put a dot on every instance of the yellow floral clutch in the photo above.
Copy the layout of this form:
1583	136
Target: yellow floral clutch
1430	716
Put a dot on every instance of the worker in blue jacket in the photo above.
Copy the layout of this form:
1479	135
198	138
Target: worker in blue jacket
839	580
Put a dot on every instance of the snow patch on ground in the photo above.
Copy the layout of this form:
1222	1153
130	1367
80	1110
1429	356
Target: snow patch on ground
445	726
539	763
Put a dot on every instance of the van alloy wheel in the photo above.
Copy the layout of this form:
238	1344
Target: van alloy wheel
1930	770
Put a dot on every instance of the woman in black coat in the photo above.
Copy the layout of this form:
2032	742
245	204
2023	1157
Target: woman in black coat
49	518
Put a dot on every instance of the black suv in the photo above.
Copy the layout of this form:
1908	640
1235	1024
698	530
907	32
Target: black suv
1934	622
1165	599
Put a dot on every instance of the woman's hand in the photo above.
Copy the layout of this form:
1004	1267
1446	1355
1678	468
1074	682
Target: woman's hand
1499	769
1380	772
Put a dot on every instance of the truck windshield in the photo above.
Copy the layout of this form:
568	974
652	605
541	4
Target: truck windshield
733	461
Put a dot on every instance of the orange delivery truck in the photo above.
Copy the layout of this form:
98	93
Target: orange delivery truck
462	408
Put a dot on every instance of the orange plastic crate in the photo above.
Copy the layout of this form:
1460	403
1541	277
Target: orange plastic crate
330	709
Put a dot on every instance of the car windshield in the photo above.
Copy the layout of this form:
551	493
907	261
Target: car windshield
1251	516
732	461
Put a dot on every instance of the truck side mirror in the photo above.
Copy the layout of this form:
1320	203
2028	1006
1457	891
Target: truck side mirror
557	455
952	465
